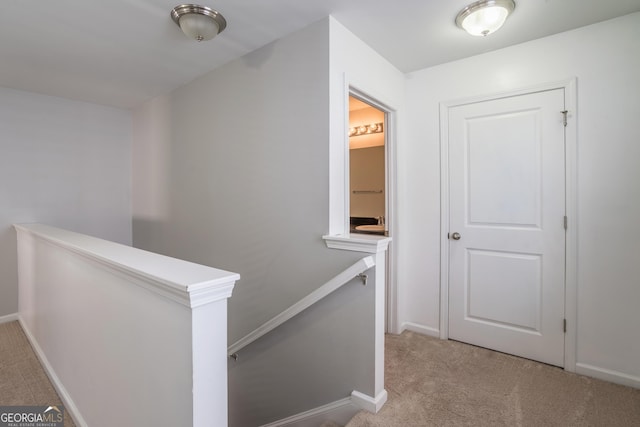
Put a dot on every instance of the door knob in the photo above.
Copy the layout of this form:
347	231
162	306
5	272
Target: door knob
455	236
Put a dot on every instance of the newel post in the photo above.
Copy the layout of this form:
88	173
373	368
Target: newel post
376	245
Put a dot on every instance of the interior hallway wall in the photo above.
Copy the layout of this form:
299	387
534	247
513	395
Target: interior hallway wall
604	59
232	171
64	163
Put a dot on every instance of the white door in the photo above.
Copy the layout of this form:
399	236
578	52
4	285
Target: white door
507	204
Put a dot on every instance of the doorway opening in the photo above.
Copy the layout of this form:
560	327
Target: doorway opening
371	178
367	168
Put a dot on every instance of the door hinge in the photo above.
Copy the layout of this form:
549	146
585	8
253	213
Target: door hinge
564	325
564	117
566	222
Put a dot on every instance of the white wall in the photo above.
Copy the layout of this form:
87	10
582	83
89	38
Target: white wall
604	58
354	65
64	163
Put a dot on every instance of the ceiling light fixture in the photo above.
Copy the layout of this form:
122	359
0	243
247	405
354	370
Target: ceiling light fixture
485	16
198	22
366	129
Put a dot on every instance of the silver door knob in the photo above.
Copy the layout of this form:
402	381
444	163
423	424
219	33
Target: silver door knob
455	236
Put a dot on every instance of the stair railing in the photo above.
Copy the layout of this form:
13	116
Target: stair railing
356	270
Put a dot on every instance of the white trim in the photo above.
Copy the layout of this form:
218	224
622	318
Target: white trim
346	116
192	285
444	221
571	250
346	276
543	87
391	219
8	318
339	411
371	244
571	295
420	329
68	402
368	403
391	179
608	375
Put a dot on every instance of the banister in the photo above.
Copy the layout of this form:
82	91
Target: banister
184	282
354	271
125	318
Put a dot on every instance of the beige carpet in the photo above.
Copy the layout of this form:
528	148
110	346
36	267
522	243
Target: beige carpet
22	379
432	382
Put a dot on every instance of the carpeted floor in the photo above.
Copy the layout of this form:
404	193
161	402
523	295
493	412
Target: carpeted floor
23	382
432	382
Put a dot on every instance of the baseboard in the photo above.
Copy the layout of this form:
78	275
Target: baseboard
368	403
69	404
8	318
608	375
420	329
341	411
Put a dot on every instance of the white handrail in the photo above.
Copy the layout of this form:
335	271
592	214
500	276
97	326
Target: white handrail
346	276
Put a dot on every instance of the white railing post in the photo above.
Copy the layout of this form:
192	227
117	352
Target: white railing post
380	320
376	245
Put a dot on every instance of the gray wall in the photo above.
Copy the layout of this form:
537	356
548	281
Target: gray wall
232	171
64	163
318	357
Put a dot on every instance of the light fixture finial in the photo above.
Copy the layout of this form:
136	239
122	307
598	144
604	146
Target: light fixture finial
485	16
198	22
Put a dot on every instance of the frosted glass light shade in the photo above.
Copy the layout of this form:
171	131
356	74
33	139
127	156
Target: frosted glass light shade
198	22
198	27
484	17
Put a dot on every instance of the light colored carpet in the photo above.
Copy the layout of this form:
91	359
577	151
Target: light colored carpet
433	382
22	379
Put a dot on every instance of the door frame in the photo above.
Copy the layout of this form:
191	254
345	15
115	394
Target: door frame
571	297
391	294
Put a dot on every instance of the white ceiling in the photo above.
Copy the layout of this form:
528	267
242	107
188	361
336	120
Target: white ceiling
123	52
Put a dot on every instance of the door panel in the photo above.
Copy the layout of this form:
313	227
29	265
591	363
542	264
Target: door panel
510	194
487	271
507	201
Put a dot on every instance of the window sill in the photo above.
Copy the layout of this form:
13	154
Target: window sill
371	244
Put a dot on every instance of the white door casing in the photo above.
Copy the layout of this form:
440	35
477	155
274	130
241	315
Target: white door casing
391	302
507	201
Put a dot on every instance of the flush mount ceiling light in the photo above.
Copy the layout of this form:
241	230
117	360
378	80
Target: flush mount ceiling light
198	22
485	16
